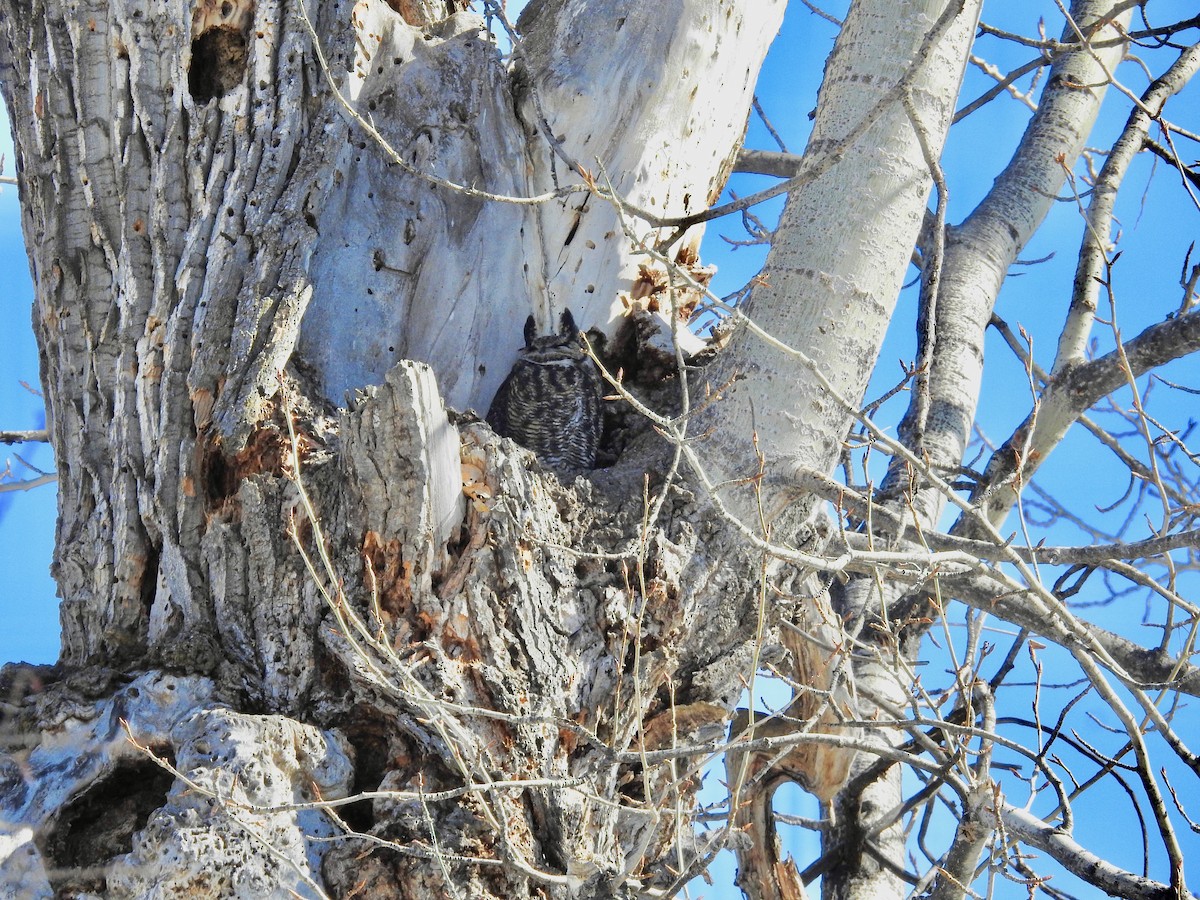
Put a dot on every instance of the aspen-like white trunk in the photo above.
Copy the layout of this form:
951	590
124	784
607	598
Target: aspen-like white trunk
959	289
827	294
979	251
839	256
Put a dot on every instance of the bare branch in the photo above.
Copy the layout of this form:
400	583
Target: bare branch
1074	858
25	437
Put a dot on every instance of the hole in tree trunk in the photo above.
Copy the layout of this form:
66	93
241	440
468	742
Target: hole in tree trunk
367	731
99	824
218	63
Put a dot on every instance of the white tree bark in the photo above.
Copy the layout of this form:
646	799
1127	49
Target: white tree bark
959	290
1080	384
648	100
838	259
829	286
980	251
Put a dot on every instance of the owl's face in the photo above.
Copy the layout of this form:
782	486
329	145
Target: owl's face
552	349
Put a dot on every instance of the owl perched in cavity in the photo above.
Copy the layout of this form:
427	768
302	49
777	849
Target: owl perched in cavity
551	401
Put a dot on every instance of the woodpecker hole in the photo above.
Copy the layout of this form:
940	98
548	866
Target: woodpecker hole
218	63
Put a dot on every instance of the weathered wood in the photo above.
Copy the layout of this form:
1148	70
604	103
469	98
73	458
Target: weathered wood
406	268
91	789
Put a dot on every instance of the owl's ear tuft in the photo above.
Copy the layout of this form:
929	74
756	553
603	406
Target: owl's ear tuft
530	331
568	328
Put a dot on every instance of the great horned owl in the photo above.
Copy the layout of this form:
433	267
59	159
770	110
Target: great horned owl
551	401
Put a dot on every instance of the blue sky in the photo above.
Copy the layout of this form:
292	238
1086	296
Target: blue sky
1157	219
28	606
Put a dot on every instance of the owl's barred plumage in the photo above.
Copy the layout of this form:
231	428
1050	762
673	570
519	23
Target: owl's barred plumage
552	400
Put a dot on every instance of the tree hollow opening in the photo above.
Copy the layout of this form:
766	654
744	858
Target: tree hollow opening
218	63
99	824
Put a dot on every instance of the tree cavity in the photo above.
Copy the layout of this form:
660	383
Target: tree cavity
220	47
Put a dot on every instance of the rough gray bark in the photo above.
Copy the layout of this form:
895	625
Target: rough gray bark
219	253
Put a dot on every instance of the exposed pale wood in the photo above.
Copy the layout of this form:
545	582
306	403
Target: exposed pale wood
402	268
762	874
84	752
401	453
406	269
650	98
